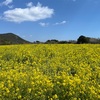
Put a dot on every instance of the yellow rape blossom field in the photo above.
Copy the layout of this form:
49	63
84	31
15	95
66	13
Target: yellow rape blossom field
50	72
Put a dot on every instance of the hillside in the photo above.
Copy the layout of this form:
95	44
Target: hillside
10	38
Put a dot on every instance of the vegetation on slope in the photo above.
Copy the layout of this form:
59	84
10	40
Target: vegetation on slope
10	38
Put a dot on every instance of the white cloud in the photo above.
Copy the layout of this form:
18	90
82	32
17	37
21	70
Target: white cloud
63	22
10	6
33	13
30	35
74	0
44	24
7	2
60	23
30	4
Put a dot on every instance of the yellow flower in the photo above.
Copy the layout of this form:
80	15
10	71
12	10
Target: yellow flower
19	96
64	84
7	90
29	90
17	89
55	96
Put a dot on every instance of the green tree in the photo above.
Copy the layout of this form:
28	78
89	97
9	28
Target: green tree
82	39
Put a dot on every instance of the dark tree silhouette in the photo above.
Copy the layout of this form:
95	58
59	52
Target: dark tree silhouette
82	39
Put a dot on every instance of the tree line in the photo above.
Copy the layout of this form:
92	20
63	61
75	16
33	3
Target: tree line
10	38
81	40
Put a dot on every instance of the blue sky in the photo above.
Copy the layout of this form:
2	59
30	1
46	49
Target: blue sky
50	19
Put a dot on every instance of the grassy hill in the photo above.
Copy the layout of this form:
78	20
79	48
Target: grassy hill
10	38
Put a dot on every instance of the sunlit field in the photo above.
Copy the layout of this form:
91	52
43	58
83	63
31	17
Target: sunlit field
50	72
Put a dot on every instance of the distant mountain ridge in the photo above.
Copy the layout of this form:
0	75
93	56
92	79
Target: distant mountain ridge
11	38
